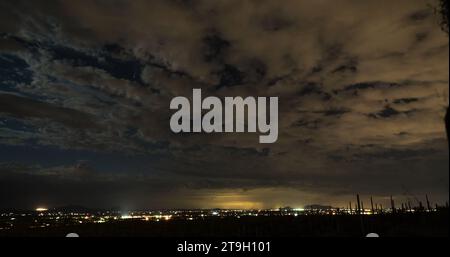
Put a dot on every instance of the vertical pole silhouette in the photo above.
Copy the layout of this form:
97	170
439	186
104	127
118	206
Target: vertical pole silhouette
358	204
359	213
428	203
392	205
371	204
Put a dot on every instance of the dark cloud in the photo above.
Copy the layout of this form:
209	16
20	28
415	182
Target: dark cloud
21	107
362	91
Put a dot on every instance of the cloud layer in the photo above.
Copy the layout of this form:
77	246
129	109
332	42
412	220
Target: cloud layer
362	92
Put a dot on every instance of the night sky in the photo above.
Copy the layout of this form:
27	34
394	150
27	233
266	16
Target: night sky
85	88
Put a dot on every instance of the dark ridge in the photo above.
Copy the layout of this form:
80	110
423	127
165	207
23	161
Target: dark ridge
73	208
318	207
